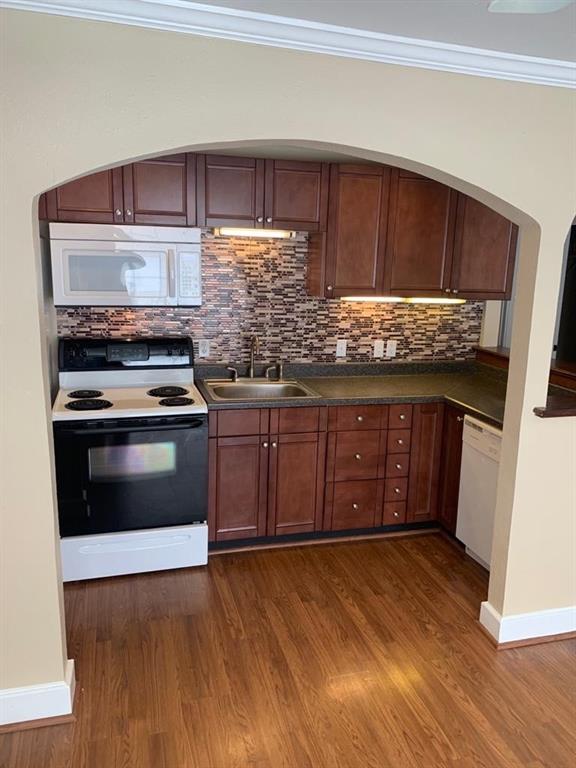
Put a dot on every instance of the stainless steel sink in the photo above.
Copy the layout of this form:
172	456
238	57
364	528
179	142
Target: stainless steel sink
257	389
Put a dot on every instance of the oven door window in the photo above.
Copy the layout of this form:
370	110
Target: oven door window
131	463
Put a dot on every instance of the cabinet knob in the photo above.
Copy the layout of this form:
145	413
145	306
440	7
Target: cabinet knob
396	490
459	418
446	290
357	456
274	445
268	219
354	506
398	466
128	213
264	445
359	418
396	514
454	290
329	287
259	219
402	417
118	212
400	441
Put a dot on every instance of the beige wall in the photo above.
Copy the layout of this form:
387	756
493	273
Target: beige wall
82	95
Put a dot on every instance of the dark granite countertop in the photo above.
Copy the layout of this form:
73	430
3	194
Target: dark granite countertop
479	394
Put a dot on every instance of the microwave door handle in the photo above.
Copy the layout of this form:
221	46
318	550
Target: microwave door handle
171	273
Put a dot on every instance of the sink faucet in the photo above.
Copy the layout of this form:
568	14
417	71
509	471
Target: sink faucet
254	350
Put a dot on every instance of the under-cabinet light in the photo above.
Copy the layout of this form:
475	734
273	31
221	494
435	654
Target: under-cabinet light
425	300
374	299
274	234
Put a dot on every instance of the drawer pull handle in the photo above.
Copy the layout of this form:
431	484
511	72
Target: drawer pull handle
397	490
359	418
357	456
354	506
400	441
396	514
398	466
402	417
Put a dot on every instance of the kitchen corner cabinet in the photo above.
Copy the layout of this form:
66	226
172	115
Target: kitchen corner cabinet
160	191
266	472
273	194
425	452
450	467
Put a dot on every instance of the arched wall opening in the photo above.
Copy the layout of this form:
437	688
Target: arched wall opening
72	114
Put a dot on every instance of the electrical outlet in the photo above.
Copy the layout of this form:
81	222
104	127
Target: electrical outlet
391	345
204	348
379	348
341	348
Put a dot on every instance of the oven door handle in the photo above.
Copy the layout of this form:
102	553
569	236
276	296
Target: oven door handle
195	424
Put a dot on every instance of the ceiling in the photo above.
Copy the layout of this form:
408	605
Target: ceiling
461	22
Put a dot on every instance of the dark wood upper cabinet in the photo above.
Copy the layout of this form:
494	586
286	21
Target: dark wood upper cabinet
296	195
95	199
161	191
230	191
356	238
484	252
421	221
296	484
450	467
426	448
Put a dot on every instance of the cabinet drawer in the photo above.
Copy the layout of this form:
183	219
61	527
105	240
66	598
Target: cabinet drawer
400	416
355	504
346	417
357	455
394	513
237	422
396	490
399	441
287	421
397	465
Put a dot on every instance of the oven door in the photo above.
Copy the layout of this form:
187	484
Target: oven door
131	474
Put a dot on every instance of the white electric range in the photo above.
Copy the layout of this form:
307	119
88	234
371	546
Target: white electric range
131	444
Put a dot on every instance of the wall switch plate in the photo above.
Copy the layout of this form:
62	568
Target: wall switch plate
341	348
204	348
379	348
391	345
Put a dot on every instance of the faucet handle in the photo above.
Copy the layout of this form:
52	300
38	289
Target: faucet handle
280	370
269	370
234	372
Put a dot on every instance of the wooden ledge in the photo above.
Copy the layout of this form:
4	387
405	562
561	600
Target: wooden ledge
557	405
562	374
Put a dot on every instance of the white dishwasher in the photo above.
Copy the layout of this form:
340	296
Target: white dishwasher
478	481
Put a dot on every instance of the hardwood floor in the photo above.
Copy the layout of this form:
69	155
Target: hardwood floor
352	655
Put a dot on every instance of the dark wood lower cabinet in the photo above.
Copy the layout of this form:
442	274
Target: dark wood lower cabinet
295	483
450	468
353	504
426	447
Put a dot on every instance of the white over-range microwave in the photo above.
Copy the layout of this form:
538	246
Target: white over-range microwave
110	265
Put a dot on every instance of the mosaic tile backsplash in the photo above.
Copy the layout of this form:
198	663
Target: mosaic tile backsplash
258	287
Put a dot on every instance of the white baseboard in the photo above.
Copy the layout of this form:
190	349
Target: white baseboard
35	702
525	626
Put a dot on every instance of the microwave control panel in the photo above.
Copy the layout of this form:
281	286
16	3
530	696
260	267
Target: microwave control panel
189	278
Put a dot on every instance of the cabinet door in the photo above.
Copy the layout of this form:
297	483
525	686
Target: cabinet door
238	482
161	191
94	199
420	236
450	467
357	218
426	446
296	195
484	252
230	191
296	485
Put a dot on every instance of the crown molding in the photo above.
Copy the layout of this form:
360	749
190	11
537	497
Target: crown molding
298	34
